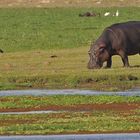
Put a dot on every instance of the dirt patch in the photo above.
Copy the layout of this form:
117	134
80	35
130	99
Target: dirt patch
67	3
82	132
83	107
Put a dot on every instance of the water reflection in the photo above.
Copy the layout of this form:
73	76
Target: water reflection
42	92
134	136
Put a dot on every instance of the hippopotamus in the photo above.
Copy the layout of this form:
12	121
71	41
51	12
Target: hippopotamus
121	39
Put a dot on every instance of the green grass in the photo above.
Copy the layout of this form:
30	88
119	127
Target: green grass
55	28
30	36
14	102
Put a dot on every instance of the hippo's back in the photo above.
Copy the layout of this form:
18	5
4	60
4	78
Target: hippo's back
128	36
127	25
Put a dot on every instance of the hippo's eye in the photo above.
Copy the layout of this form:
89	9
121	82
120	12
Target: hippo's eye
101	49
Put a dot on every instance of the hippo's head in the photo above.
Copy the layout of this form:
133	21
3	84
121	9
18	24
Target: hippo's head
98	55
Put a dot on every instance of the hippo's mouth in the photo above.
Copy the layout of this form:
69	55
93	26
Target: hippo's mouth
94	63
97	66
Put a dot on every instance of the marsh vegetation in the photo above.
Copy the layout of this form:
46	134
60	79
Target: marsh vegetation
76	114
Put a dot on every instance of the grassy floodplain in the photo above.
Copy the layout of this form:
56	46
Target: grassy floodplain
80	114
47	48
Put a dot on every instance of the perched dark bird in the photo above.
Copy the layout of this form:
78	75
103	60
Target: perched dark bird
89	14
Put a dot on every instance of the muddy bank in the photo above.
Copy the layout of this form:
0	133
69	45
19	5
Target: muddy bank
74	108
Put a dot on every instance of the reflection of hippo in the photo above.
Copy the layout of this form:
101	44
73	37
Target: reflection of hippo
1	50
89	14
119	39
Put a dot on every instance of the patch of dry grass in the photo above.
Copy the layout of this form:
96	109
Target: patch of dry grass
65	68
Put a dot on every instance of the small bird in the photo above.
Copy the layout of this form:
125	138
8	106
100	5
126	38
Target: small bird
107	14
117	13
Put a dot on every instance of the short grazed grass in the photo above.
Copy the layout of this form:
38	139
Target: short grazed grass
24	29
47	48
68	70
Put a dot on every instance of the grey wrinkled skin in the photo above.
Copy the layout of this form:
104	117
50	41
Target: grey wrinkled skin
94	61
98	55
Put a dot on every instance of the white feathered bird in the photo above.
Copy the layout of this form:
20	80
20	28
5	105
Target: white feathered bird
117	13
107	14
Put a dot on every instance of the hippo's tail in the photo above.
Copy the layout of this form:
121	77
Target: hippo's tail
1	51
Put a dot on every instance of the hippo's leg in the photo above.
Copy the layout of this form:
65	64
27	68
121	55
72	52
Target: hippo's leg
125	59
109	62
